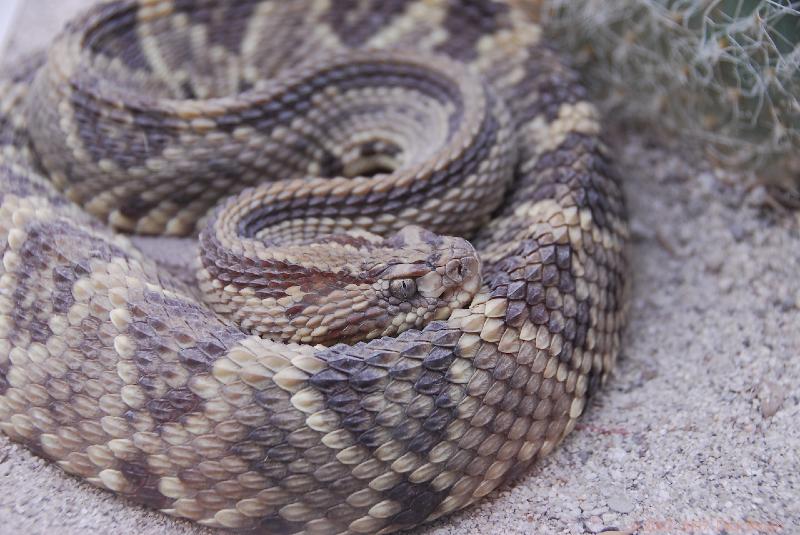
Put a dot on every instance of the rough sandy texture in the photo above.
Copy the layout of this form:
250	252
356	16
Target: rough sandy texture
697	432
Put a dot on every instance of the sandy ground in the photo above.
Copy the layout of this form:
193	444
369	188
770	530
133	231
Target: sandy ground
697	432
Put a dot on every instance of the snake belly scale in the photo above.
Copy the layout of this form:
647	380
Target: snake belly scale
410	271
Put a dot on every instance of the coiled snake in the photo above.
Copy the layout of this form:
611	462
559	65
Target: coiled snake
332	362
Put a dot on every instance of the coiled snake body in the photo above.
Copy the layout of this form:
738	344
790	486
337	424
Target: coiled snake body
332	362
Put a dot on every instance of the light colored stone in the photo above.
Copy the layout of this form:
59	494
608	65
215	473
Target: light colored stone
620	503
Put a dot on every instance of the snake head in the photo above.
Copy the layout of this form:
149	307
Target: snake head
427	277
336	288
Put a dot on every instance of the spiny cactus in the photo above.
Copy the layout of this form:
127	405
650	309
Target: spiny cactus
727	71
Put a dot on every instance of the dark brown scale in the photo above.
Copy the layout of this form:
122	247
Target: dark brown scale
175	404
39	330
3	378
355	22
117	40
43	239
466	22
230	19
418	501
27	185
103	139
548	78
109	21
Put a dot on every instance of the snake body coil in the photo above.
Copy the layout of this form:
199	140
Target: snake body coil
332	363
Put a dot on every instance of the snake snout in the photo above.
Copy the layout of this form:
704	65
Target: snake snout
464	267
464	272
457	275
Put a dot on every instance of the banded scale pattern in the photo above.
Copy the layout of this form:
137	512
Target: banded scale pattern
335	123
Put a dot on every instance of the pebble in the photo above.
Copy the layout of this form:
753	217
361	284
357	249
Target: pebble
772	396
620	503
725	284
715	261
595	524
737	231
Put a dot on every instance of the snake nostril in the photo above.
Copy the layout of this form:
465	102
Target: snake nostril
455	271
463	270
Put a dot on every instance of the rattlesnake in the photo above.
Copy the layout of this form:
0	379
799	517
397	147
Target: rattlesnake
402	374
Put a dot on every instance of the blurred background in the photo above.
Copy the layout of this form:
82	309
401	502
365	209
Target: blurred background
725	73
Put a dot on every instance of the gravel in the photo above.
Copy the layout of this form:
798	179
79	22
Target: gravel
695	433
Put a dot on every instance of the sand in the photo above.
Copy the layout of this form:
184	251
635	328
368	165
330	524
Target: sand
697	431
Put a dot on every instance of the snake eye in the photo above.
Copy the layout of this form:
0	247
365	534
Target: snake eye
403	288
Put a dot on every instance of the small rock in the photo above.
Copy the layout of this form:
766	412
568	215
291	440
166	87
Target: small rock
594	524
771	395
640	231
725	284
715	260
648	374
620	503
707	182
757	197
738	231
609	518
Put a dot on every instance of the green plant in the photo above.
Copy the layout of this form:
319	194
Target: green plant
726	71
